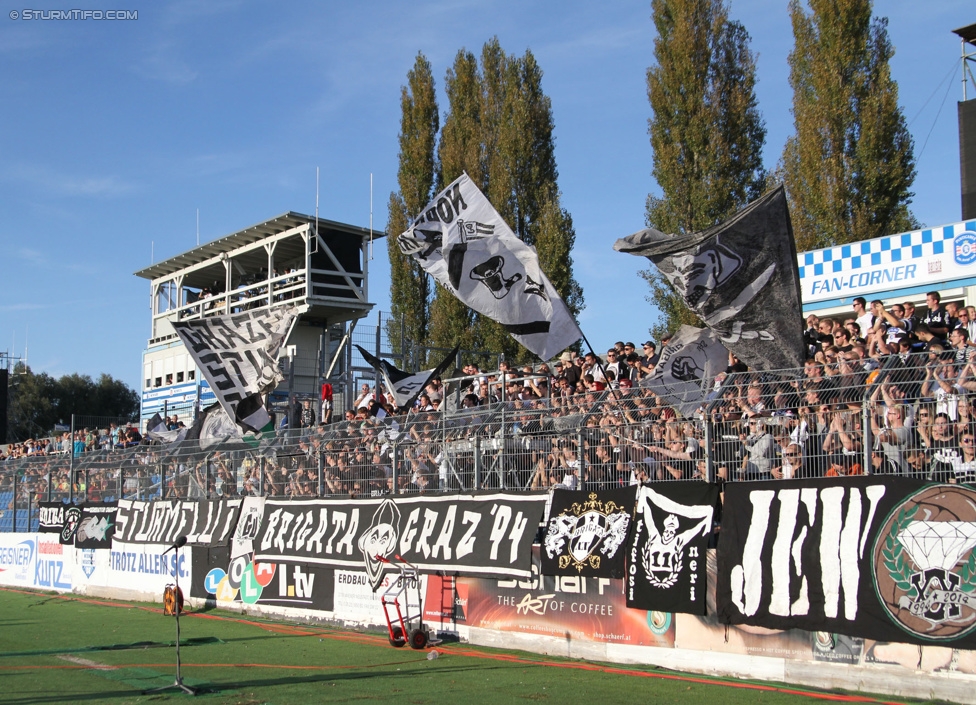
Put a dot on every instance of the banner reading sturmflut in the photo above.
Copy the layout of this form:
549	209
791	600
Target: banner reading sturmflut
666	567
890	559
238	355
462	241
588	533
488	534
740	277
204	523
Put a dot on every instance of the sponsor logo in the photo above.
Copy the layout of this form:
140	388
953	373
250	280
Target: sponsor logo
18	558
964	248
250	581
579	534
925	565
88	561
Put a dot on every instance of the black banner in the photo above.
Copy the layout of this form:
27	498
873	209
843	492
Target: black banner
51	517
96	526
588	532
204	523
666	567
285	584
887	559
488	534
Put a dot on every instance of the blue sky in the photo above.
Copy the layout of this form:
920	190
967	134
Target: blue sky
114	133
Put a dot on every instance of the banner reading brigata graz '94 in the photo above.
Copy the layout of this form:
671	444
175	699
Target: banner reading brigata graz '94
485	534
204	523
888	559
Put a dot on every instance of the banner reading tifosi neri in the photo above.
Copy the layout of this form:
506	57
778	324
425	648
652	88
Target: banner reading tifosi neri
488	534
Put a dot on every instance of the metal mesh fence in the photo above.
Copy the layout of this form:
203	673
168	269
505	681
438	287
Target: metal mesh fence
909	416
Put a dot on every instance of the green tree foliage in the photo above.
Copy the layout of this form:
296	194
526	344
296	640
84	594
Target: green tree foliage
706	130
499	129
849	166
409	286
36	402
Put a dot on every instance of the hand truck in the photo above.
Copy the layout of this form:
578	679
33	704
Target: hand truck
403	607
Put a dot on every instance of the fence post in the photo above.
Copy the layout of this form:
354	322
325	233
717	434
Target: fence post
396	467
320	470
162	480
580	456
866	430
15	501
87	484
206	477
477	463
50	483
71	462
260	477
121	482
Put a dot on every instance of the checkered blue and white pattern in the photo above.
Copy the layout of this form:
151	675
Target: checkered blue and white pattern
893	249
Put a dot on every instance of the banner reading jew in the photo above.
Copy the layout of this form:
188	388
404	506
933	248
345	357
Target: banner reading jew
888	559
688	364
484	534
238	356
740	277
666	569
588	532
204	523
462	241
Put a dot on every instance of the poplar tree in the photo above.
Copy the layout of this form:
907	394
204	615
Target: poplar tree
706	130
459	151
849	166
499	129
419	122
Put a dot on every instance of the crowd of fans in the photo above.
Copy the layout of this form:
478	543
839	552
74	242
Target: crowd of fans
883	391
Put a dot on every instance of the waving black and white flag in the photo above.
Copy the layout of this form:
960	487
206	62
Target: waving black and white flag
406	386
688	365
740	277
238	355
462	241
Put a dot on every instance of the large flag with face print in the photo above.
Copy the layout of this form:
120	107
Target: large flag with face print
740	277
463	243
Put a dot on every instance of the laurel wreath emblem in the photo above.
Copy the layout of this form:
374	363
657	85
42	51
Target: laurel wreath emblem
892	553
667	582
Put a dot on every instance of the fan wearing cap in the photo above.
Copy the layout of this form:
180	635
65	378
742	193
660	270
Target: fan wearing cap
571	372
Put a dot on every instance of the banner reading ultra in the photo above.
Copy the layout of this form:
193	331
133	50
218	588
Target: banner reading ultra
489	534
462	241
